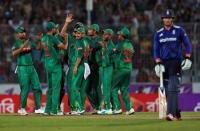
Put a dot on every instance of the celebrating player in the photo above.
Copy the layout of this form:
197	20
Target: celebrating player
106	70
27	74
122	72
52	62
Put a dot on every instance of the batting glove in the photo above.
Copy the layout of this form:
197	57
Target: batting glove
186	64
159	68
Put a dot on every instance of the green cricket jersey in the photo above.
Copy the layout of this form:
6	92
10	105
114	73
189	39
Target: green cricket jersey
86	45
50	50
24	58
124	55
106	54
62	52
75	49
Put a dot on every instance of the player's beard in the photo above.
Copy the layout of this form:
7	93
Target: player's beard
23	37
54	33
106	39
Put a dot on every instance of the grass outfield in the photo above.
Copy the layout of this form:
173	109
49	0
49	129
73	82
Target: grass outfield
137	122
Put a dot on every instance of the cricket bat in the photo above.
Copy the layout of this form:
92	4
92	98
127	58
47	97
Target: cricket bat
162	104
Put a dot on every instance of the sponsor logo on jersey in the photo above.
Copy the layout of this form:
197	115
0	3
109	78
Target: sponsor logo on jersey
168	39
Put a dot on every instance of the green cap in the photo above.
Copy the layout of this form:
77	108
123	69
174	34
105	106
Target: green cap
95	27
20	30
124	31
108	31
50	26
80	29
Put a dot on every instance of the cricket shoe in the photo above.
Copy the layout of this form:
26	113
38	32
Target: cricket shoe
56	114
115	112
108	112
46	114
101	112
19	111
75	113
178	115
22	112
60	113
39	111
81	112
170	117
130	112
105	112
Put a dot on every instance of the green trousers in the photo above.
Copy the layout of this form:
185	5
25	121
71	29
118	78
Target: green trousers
69	85
28	77
54	76
121	81
105	75
62	89
75	96
83	87
83	94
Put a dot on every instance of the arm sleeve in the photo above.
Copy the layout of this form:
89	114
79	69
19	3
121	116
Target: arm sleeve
56	41
186	41
156	47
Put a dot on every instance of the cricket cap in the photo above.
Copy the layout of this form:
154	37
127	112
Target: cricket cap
124	31
95	27
20	29
108	31
51	25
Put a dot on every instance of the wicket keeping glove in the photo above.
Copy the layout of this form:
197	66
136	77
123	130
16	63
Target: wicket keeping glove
159	68
186	64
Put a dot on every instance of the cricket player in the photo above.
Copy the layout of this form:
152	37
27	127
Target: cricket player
106	70
86	55
73	52
63	37
93	90
52	62
62	53
168	42
122	72
25	70
77	66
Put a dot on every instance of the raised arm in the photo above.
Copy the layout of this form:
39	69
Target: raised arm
68	20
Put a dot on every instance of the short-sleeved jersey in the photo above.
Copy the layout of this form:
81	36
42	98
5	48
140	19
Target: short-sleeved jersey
62	52
124	55
25	57
50	50
106	54
86	45
75	50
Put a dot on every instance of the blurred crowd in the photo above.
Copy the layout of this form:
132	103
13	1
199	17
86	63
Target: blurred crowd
141	16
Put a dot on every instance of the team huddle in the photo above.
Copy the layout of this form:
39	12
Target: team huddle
97	68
